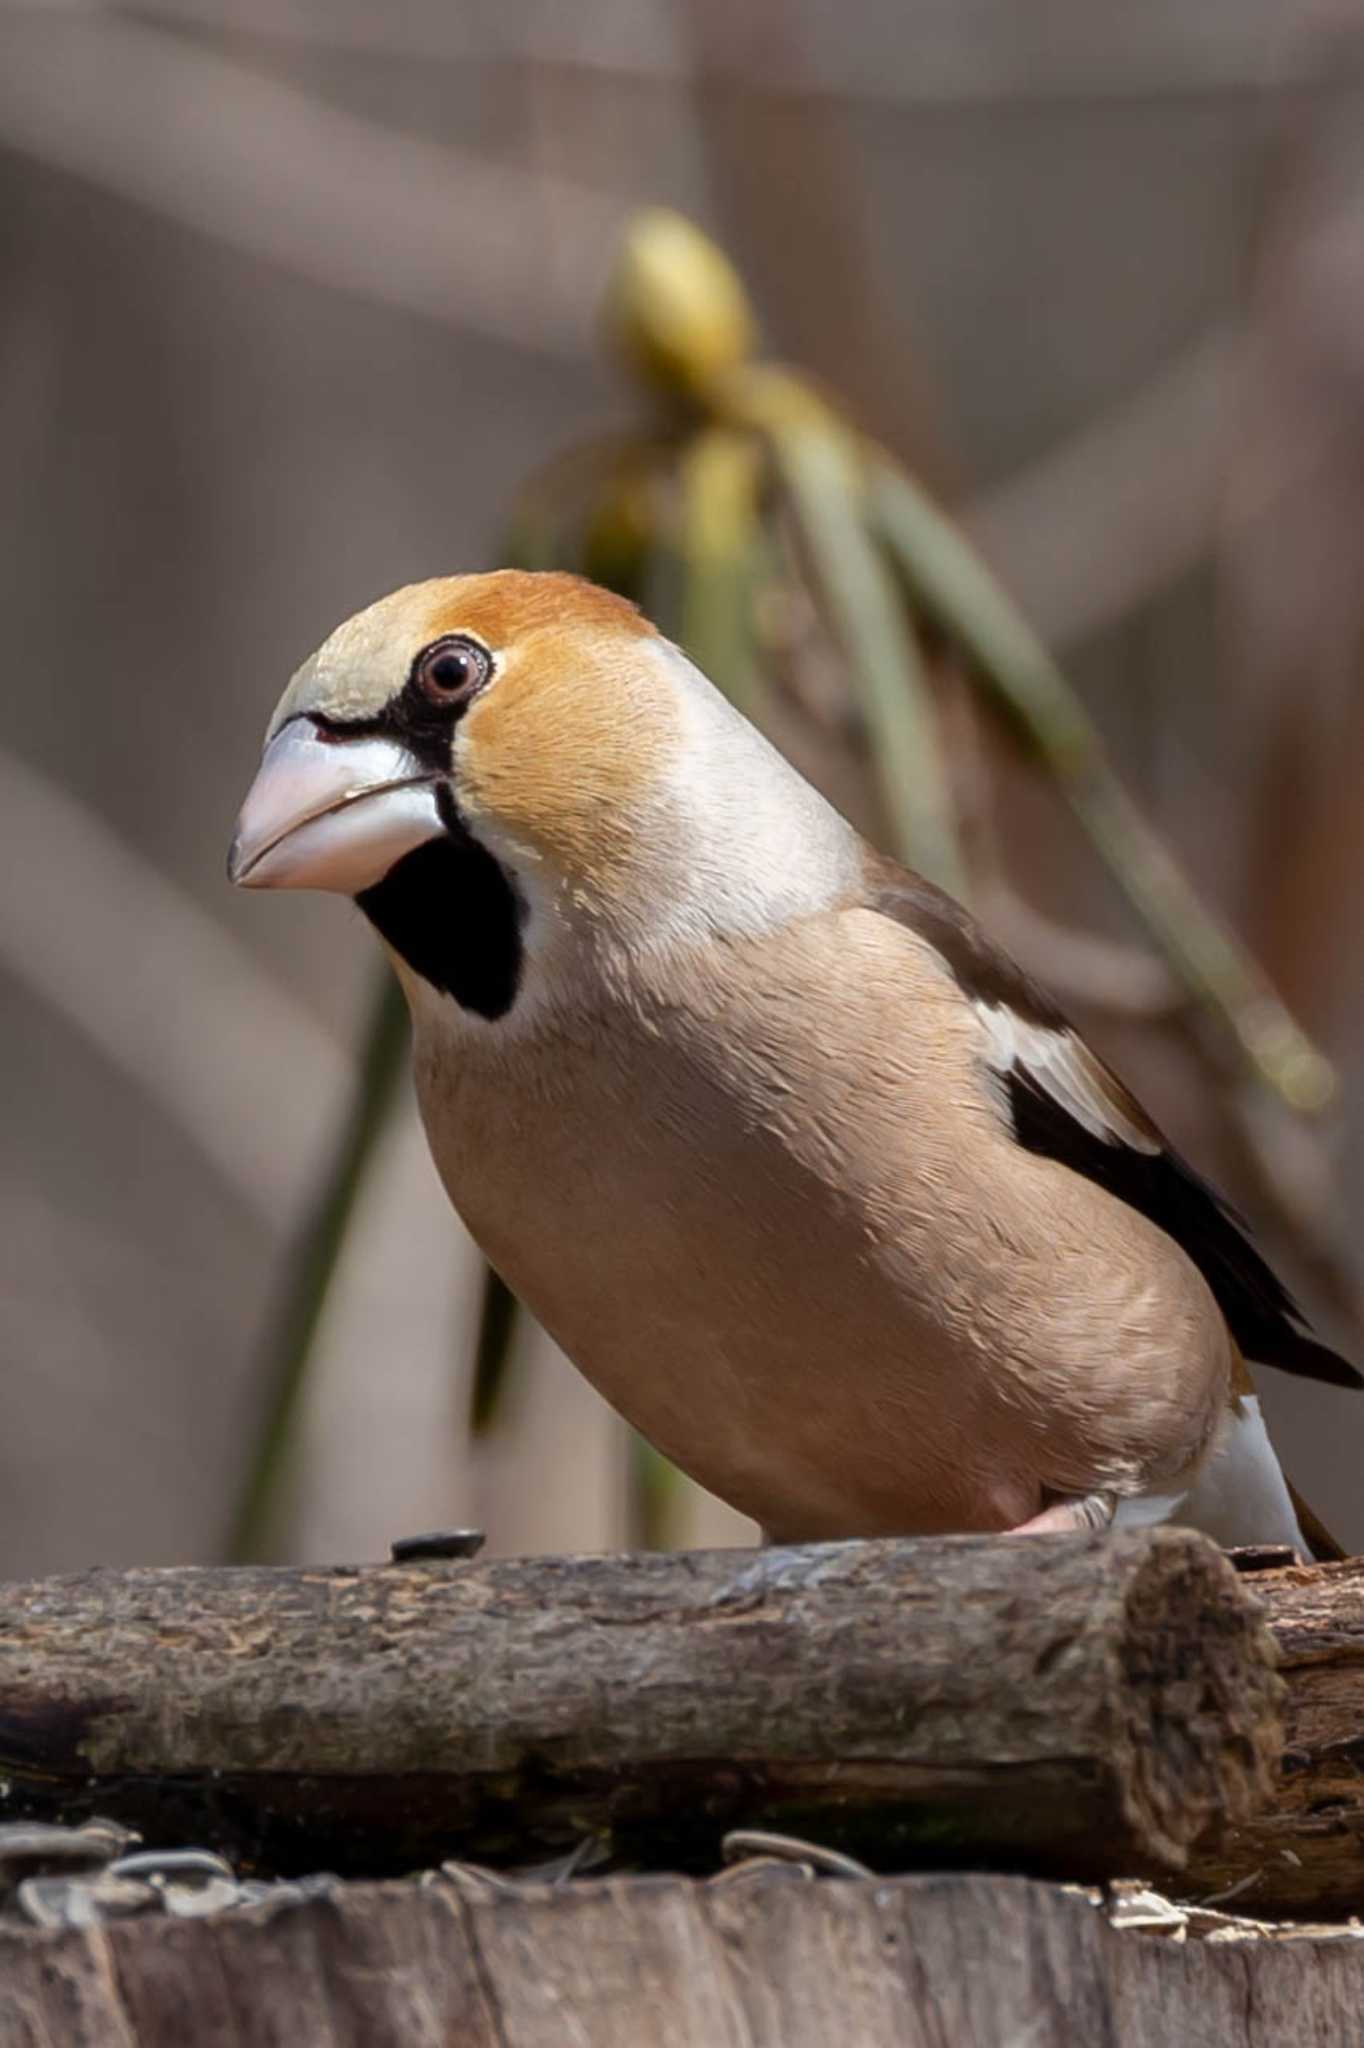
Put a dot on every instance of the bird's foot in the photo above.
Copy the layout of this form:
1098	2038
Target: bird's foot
1062	1517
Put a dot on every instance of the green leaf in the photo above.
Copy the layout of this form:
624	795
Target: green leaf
655	1486
867	615
493	1353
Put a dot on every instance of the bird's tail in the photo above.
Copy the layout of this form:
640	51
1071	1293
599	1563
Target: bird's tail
1322	1544
1240	1495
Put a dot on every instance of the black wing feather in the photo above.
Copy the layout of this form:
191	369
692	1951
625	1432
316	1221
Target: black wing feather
1261	1314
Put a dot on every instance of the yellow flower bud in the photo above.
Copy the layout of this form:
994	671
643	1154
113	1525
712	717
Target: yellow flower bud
675	308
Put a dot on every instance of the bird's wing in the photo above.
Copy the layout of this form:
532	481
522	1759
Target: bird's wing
1065	1104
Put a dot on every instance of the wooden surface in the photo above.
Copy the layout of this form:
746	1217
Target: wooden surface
1304	1852
1084	1706
928	1962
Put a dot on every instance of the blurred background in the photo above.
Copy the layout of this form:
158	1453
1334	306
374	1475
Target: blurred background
296	295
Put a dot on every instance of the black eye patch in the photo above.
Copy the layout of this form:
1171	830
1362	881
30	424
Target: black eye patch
442	682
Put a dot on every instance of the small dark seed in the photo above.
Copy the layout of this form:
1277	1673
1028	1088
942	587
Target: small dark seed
439	1543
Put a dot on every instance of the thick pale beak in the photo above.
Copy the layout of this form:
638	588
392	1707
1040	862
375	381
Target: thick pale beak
328	813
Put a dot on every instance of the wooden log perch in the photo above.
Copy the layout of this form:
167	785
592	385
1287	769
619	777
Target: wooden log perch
1304	1851
908	1963
1079	1705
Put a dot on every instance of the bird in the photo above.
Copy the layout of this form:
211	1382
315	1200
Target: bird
823	1193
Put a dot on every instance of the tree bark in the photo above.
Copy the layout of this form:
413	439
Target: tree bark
1080	1705
1303	1852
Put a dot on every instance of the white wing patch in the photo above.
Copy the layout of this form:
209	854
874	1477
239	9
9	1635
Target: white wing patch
1061	1063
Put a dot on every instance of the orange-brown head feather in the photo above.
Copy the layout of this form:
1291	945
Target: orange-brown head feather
579	725
591	760
576	724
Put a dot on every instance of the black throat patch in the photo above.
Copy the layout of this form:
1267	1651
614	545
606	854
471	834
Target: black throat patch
452	912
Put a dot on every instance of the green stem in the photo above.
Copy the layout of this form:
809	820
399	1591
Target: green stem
817	463
289	1343
954	589
492	1352
654	1486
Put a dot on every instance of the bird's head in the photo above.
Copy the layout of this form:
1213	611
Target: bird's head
473	752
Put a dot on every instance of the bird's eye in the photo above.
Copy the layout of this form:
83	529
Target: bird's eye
449	671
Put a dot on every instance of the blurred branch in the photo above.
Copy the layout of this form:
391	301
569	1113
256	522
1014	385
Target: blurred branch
1290	585
186	132
977	56
420	29
170	1020
929	55
1293	1176
310	1272
1097	526
1133	501
1080	966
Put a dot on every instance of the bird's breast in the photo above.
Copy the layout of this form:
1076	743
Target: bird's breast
746	1219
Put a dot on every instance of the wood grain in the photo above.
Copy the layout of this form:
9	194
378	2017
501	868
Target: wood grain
1304	1851
923	1962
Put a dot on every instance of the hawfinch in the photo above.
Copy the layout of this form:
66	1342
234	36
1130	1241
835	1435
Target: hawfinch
819	1190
